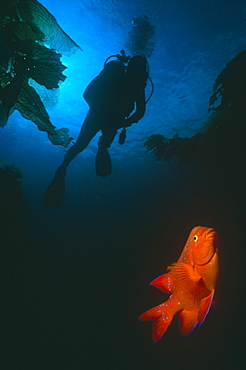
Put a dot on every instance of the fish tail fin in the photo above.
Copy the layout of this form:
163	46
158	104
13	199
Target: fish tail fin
160	327
162	317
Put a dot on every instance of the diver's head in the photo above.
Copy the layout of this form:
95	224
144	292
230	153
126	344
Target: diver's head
138	67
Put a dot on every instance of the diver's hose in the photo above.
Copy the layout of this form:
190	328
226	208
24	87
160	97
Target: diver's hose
111	56
152	90
121	57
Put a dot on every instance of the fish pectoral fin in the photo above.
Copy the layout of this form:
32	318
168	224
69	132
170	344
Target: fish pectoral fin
186	275
164	282
205	307
188	321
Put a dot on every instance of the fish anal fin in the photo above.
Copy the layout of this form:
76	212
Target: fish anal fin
205	307
188	321
164	282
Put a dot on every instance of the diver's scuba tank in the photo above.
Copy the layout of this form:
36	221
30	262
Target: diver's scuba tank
124	60
122	136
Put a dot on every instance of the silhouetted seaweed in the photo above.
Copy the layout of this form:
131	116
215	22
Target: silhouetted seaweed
230	86
219	145
24	27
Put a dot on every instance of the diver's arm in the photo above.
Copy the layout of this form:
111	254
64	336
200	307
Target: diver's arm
140	110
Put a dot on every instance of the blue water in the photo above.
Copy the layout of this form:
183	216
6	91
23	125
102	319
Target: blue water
86	279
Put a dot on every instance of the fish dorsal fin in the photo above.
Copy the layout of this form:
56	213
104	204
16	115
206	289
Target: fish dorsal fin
164	282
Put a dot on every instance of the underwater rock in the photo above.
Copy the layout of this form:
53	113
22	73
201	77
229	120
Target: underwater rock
12	202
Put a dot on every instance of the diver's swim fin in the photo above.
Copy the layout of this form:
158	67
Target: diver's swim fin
103	162
54	195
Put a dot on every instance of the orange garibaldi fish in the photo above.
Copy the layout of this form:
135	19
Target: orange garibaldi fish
191	283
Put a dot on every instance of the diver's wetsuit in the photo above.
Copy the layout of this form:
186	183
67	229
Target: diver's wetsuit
108	121
110	110
94	122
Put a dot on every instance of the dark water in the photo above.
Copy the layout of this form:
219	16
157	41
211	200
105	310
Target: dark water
75	279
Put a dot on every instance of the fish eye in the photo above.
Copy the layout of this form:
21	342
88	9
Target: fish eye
195	238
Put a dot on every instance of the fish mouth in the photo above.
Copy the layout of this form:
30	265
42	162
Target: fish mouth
212	236
209	247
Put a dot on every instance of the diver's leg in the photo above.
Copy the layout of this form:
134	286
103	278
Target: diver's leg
103	160
88	130
108	135
56	190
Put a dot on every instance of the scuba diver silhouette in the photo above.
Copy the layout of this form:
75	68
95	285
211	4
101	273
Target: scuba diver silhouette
112	96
